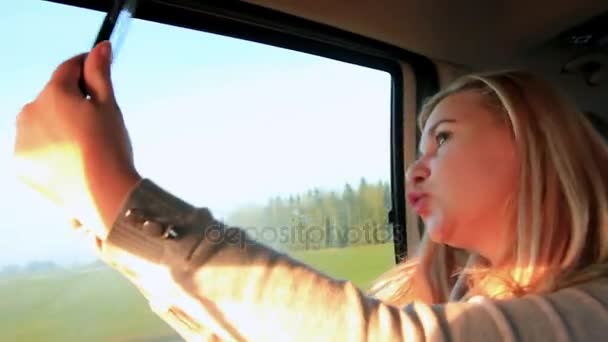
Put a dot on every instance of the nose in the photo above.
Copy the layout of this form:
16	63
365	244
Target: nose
417	173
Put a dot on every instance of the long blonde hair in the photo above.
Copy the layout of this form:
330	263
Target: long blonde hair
560	209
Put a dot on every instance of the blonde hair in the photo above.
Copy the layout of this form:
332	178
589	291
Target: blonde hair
560	209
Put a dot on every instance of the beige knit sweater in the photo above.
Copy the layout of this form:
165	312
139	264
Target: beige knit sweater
211	282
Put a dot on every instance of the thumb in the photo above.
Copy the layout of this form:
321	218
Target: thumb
97	73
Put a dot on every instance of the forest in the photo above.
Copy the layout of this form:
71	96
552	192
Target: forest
318	219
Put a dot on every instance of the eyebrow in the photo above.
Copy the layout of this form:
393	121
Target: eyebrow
432	130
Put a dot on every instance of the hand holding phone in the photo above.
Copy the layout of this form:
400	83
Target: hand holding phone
113	28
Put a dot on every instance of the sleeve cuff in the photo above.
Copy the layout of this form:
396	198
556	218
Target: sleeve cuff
137	240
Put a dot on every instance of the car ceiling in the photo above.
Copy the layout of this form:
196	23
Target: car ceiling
474	34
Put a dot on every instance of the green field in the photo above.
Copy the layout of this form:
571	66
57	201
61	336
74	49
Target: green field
100	305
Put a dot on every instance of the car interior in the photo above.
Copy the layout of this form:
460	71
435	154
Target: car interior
423	45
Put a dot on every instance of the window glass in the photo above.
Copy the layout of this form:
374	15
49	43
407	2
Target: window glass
294	148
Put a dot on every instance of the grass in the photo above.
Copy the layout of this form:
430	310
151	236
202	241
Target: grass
361	264
101	305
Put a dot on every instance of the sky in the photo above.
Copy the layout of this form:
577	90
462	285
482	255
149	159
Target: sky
220	122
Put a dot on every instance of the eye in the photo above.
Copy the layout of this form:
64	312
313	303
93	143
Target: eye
442	137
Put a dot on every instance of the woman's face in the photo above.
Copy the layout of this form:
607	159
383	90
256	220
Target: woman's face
466	173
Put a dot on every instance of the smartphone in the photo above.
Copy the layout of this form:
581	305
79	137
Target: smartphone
114	28
116	22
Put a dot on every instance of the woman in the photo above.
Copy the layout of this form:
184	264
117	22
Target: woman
509	173
525	187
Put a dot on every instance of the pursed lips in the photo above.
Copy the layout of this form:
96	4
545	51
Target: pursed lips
417	200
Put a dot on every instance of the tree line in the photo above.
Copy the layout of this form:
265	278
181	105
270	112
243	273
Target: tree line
37	266
319	219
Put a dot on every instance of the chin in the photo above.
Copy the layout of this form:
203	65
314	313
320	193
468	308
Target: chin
438	233
437	236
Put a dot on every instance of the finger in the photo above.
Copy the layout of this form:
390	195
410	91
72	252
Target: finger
95	243
97	73
68	73
22	117
75	223
92	242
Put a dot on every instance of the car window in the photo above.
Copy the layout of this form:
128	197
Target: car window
293	148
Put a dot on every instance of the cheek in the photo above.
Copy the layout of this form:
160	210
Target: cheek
469	186
455	188
459	179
